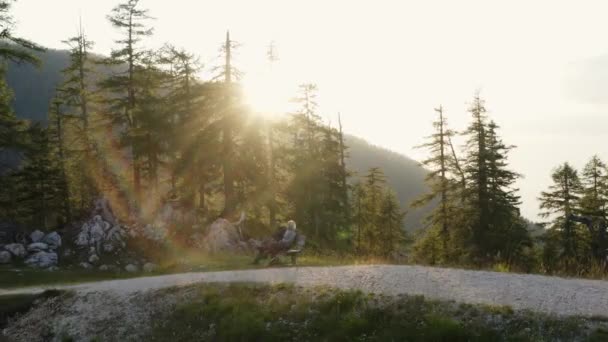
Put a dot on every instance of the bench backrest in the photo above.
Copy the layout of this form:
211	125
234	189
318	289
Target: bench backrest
300	241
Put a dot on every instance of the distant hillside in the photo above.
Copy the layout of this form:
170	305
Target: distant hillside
404	175
35	87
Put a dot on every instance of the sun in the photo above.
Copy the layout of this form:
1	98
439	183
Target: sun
267	93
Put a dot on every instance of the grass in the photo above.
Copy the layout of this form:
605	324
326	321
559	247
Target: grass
245	312
11	306
11	277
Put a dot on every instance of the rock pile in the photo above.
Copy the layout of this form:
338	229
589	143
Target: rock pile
40	251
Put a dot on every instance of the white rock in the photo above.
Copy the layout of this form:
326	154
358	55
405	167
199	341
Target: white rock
37	247
5	257
53	240
36	236
52	269
42	259
107	268
16	249
108	247
131	268
93	259
85	265
150	267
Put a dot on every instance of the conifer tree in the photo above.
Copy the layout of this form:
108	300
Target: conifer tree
75	95
440	182
122	85
559	202
375	185
391	218
476	170
595	189
19	50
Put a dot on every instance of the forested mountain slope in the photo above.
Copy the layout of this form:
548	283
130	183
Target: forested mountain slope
35	87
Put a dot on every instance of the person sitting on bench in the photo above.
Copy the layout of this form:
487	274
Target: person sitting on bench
282	241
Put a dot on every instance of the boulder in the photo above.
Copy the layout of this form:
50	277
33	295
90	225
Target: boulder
42	259
85	265
103	209
16	249
5	257
108	268
131	268
36	236
221	236
37	247
93	259
53	240
150	267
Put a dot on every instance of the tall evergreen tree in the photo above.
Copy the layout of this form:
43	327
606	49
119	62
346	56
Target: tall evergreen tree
131	20
594	198
559	203
476	170
391	218
440	182
75	95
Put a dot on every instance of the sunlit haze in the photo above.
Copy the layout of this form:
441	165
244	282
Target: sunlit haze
542	66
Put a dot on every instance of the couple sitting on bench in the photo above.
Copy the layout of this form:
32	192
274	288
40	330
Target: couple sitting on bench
285	241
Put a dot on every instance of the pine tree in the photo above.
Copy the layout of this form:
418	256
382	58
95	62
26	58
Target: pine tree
229	120
123	86
505	225
185	102
559	202
75	95
391	218
476	170
18	50
595	189
441	185
375	185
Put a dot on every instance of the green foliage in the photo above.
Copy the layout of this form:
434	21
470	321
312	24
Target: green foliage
476	220
239	312
377	217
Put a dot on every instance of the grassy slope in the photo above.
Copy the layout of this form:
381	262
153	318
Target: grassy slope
239	312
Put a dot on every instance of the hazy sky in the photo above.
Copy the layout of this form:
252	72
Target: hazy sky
542	66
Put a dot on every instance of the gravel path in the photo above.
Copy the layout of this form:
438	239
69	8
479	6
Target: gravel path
538	293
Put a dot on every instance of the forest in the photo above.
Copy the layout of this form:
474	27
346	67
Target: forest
141	128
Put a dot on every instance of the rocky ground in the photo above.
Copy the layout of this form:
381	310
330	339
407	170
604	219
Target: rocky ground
544	294
189	307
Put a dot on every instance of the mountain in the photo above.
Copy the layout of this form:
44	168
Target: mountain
404	175
35	87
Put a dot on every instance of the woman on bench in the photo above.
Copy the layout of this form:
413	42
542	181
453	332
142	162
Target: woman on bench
282	241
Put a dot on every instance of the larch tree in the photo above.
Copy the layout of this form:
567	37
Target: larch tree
76	94
441	218
595	189
122	85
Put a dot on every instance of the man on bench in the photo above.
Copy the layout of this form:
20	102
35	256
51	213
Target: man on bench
281	243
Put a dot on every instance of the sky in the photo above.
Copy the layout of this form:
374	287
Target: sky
541	66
